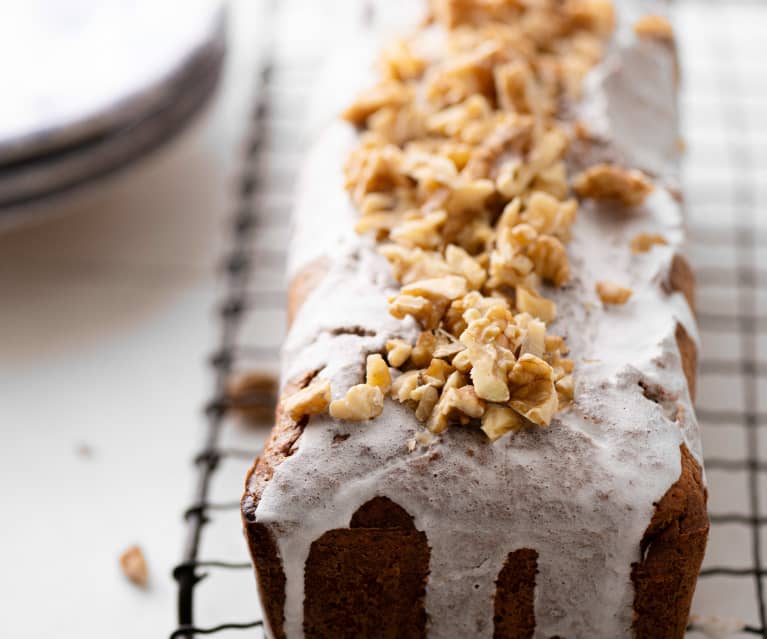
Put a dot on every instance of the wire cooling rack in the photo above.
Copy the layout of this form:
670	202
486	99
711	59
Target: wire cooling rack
724	57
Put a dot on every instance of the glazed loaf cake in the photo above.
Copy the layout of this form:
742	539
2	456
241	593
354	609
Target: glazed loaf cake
486	424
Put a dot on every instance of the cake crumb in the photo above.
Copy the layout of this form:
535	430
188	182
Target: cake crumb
134	566
253	395
612	293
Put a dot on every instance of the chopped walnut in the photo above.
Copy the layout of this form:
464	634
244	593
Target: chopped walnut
598	15
655	27
424	349
489	356
611	293
457	403
399	62
427	397
397	352
312	400
608	182
548	216
645	241
377	373
361	403
421	232
426	312
134	566
460	176
531	383
437	373
533	336
449	287
446	346
389	93
499	420
549	258
565	389
403	386
465	265
529	301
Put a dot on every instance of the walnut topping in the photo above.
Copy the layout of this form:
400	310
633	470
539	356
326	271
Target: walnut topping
377	373
529	301
608	182
656	27
134	566
499	420
462	402
362	402
460	177
645	241
611	293
397	352
312	400
532	384
386	94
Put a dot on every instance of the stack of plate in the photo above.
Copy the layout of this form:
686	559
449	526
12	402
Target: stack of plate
90	87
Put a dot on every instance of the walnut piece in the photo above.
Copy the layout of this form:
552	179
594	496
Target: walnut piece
654	27
397	352
528	301
427	312
312	400
134	566
550	261
361	403
403	386
377	373
610	182
643	242
461	403
533	395
369	101
612	293
499	420
427	397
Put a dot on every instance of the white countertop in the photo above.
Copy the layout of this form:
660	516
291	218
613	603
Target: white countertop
106	317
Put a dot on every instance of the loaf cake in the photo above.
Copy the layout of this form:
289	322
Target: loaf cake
486	425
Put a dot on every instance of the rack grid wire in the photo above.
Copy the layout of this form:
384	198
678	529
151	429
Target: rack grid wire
724	97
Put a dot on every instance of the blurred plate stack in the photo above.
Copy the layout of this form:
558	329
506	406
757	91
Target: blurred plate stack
91	87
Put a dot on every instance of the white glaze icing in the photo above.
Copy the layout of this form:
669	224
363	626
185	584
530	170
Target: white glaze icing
580	492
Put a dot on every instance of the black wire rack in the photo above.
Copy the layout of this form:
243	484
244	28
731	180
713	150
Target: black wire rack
723	99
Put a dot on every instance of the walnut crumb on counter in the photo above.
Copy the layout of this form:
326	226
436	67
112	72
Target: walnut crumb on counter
134	566
612	293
